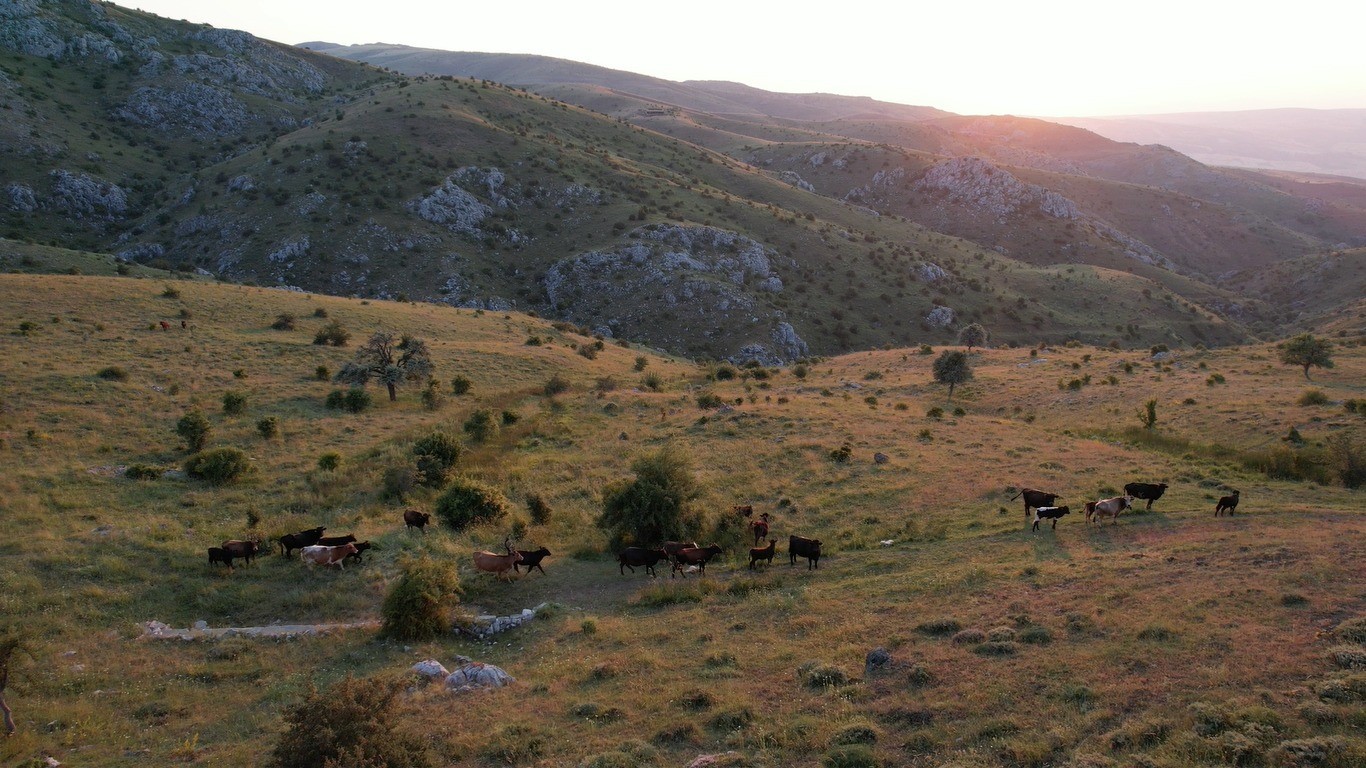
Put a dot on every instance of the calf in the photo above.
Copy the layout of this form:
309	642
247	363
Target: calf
798	546
672	548
743	510
361	548
759	528
316	554
633	556
763	553
292	541
1226	504
246	550
336	541
414	519
498	565
697	556
531	559
220	555
1049	513
1149	491
1035	499
1097	510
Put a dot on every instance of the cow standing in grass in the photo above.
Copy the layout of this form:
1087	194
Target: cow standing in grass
1149	492
1226	504
1034	499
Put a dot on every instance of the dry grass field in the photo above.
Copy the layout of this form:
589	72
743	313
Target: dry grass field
1167	638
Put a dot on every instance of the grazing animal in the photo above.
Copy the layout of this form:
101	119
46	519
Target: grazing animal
743	510
292	541
1112	507
799	546
336	541
1149	491
1226	504
674	547
1049	513
316	554
763	553
220	555
531	559
234	548
633	556
697	556
165	326
1035	499
760	529
361	548
414	519
498	565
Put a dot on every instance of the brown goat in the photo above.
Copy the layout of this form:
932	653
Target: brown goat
498	565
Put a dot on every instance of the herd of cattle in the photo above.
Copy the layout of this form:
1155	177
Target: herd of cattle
1043	503
683	556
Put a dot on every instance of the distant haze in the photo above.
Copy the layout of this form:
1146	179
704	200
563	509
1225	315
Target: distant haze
1055	57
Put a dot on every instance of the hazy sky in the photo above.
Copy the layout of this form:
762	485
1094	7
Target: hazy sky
1048	57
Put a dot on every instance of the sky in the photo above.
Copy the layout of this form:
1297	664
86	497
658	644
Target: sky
1042	58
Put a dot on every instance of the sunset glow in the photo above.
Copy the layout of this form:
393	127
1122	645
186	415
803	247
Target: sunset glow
1064	57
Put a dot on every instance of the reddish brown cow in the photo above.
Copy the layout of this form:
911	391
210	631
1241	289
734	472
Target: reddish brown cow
317	554
763	553
498	565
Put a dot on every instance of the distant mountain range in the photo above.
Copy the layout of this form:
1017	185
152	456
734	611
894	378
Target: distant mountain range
707	218
1321	141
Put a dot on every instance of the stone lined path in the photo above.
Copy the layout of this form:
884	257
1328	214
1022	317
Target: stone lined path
155	630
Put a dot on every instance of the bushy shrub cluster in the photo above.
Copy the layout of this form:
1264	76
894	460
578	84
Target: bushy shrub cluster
332	334
437	454
418	605
193	428
467	502
460	385
354	723
353	400
218	466
481	425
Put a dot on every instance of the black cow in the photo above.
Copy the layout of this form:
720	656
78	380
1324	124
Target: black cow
1049	513
361	547
1226	504
414	519
798	546
220	555
1150	491
292	541
633	556
1035	499
245	550
531	559
336	541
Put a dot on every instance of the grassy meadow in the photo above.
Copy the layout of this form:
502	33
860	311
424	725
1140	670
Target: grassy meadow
1169	638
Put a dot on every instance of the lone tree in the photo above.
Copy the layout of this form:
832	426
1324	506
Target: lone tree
656	506
972	336
391	363
951	367
1305	350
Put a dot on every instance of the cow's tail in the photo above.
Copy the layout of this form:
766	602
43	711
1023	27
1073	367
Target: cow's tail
1016	496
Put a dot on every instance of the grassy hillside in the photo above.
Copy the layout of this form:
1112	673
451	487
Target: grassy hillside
1169	638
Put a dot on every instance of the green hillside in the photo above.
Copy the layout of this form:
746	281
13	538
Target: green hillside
1168	637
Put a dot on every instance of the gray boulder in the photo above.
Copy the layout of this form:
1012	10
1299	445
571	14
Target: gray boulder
475	675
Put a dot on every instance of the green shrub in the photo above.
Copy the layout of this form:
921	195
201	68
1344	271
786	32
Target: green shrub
269	427
322	373
334	334
1352	630
539	508
218	466
1035	635
816	675
969	637
588	351
509	418
320	312
330	461
357	400
800	371
997	648
857	733
336	400
284	321
935	413
708	400
1285	463
1157	633
353	723
481	425
939	627
652	381
842	454
113	373
1313	397
919	676
657	505
641	362
467	502
556	385
142	472
170	292
460	385
417	606
432	399
851	756
731	719
724	373
193	428
234	403
437	454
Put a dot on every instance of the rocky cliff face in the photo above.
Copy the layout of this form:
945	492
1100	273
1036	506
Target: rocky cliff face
708	284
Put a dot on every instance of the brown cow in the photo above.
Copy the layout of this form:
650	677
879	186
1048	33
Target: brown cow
759	528
498	565
317	554
414	519
234	548
763	553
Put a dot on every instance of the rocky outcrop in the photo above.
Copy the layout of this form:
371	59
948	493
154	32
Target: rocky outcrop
474	675
83	197
201	110
21	198
795	179
977	183
940	317
452	207
707	282
290	250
